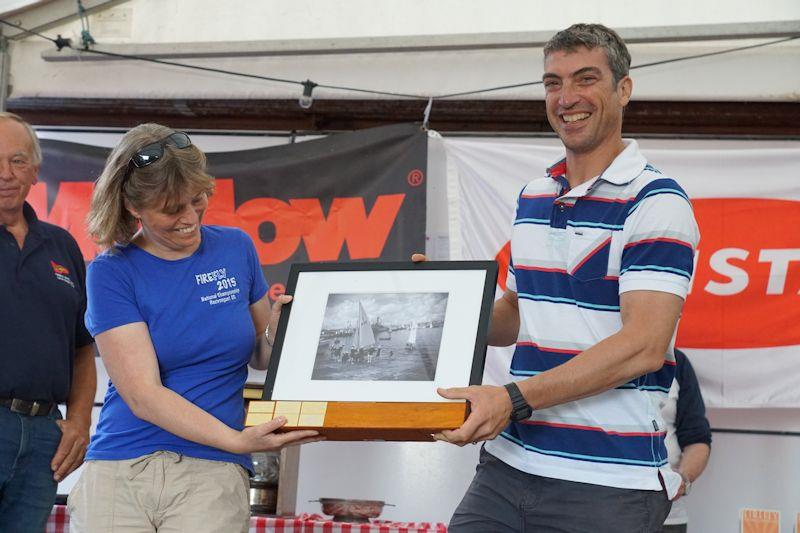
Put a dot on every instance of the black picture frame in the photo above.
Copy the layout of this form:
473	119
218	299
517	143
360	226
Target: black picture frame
486	292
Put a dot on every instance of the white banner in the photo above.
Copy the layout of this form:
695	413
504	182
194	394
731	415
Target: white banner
741	322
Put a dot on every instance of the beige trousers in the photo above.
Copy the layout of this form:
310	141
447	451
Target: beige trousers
162	492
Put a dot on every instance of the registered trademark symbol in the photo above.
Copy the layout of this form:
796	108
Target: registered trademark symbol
415	177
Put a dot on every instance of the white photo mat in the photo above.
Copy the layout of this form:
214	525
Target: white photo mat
465	290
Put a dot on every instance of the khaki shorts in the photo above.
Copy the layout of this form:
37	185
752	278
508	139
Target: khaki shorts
164	492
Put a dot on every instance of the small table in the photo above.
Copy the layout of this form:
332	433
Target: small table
58	522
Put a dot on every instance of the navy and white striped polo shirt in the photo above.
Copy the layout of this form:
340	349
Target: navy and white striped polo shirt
573	253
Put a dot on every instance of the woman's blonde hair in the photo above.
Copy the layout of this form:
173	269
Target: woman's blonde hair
161	184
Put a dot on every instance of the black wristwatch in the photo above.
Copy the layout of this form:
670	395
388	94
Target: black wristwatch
520	410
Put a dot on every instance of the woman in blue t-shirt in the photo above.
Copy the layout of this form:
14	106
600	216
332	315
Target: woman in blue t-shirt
178	310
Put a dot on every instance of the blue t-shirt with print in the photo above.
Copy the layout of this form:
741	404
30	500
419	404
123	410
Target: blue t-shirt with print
197	312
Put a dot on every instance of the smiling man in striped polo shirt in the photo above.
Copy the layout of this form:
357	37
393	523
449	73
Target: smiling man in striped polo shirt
602	255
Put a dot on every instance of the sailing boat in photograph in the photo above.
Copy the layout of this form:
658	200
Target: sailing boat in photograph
362	346
363	336
412	338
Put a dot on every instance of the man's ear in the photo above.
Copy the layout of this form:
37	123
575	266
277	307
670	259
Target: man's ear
624	90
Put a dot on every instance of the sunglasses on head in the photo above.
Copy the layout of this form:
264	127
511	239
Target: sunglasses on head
150	153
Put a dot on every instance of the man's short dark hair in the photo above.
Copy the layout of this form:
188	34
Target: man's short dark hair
593	36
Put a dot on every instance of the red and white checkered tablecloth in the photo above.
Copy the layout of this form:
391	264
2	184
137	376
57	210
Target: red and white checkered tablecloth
312	523
58	522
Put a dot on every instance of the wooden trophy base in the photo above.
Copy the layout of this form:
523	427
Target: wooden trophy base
352	421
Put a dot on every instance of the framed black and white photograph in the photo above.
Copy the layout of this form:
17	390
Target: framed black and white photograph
381	332
381	336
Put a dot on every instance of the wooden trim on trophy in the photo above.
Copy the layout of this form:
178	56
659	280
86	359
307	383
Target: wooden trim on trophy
351	421
479	116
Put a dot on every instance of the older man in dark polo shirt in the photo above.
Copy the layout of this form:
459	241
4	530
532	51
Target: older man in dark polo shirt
46	354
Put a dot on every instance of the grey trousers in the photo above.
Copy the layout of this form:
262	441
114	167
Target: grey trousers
503	499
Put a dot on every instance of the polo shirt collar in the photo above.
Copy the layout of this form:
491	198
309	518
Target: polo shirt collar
34	225
30	217
29	214
625	167
558	172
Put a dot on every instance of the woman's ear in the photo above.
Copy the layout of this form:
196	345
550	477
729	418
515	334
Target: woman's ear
130	209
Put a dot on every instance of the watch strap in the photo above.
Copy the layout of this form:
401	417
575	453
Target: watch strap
520	410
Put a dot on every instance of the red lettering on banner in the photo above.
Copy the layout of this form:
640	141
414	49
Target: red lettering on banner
275	290
747	275
287	223
250	215
746	287
293	221
347	221
302	219
69	211
503	258
221	210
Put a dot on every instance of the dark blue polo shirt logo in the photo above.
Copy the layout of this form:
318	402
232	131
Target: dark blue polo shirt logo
62	273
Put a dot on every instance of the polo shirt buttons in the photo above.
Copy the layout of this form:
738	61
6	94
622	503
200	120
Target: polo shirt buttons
561	207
